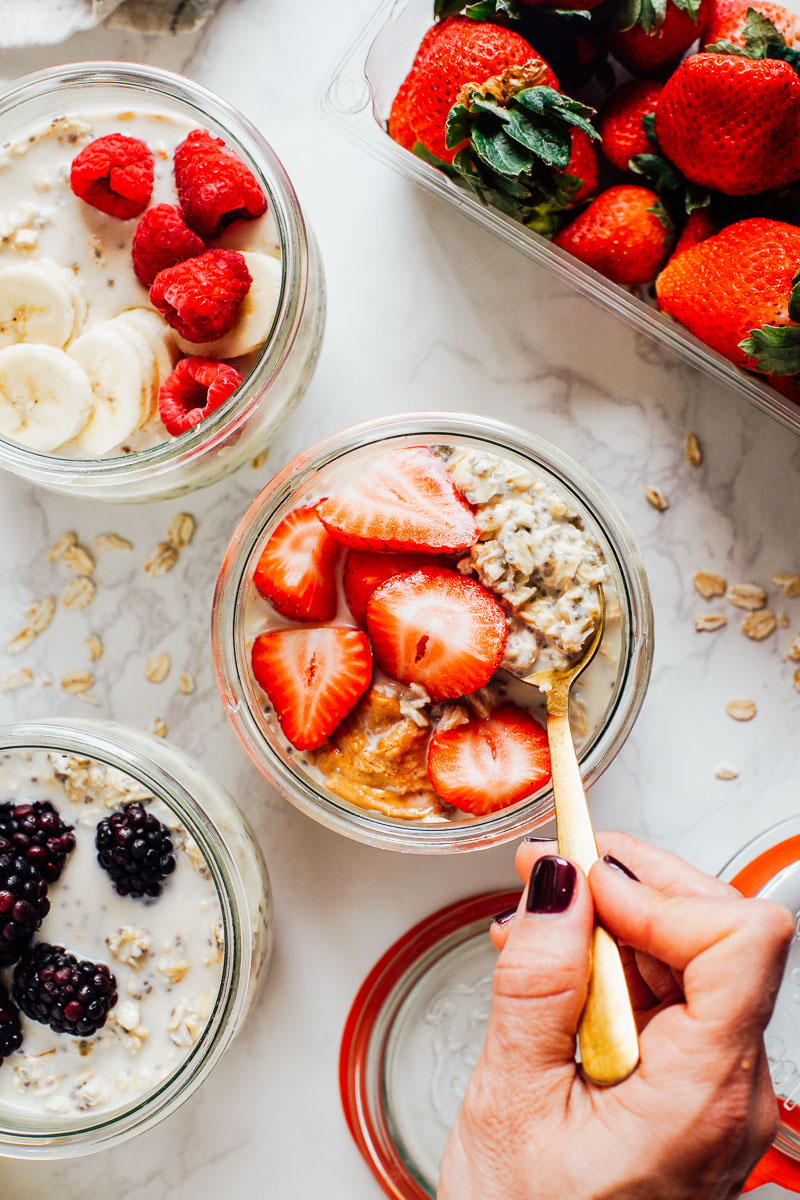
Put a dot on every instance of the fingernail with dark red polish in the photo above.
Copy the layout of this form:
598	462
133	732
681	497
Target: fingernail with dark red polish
504	917
618	866
538	839
552	885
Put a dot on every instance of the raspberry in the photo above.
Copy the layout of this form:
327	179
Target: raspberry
10	1031
194	389
57	989
37	832
114	174
23	902
214	186
200	298
162	239
136	850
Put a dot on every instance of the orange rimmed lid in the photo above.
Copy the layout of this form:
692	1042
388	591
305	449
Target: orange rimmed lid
770	866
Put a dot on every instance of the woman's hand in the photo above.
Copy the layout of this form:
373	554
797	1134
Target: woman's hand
704	966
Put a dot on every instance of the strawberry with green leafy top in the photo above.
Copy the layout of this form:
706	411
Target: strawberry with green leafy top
727	21
739	292
622	121
625	234
650	36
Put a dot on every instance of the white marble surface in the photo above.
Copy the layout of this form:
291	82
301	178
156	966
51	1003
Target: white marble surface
425	311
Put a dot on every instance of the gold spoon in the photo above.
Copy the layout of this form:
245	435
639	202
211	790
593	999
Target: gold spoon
607	1032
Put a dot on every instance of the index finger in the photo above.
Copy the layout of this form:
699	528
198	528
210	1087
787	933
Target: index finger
660	869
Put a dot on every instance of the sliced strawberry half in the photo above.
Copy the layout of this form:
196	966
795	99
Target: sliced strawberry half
491	762
402	500
439	629
313	677
364	570
297	570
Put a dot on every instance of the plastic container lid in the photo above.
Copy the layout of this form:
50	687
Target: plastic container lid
413	1035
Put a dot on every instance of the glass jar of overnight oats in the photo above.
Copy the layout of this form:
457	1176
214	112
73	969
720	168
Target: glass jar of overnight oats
186	961
78	260
546	536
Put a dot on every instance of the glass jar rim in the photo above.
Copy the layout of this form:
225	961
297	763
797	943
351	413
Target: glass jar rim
230	596
106	743
216	112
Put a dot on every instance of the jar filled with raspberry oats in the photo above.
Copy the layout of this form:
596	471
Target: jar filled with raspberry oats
144	932
162	300
379	602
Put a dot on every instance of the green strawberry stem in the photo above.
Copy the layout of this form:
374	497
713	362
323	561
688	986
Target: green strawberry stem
517	152
481	10
664	177
762	40
649	14
776	348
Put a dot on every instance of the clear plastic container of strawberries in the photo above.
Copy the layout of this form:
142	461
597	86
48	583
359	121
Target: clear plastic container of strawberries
656	143
380	604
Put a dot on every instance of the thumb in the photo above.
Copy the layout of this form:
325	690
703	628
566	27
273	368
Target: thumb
540	980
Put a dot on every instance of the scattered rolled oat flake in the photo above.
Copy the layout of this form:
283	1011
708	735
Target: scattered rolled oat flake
158	727
14	680
694	451
741	709
94	646
157	667
186	683
759	625
259	460
79	593
710	622
793	649
747	595
796	680
20	641
181	530
112	541
656	497
162	558
726	771
788	583
40	614
783	621
76	682
67	542
708	584
78	560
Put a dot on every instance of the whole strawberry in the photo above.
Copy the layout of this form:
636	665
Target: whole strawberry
698	227
652	39
732	123
625	234
463	52
727	21
621	121
735	291
399	123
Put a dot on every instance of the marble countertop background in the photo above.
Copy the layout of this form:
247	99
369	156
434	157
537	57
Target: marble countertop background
425	310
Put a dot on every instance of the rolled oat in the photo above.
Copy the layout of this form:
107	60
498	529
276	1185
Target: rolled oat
95	647
186	683
789	584
694	451
656	497
726	771
181	530
79	593
14	680
67	542
112	541
158	667
710	622
748	596
162	558
741	709
708	584
759	625
76	682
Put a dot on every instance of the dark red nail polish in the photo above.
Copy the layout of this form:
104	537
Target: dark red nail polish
618	866
504	917
538	839
552	885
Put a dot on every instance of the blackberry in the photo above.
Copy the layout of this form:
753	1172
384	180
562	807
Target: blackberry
37	831
10	1031
69	995
136	850
23	902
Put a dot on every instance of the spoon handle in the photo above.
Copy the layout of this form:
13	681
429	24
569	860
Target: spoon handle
607	1032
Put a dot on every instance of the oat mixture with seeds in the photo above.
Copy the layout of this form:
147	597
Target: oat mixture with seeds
166	954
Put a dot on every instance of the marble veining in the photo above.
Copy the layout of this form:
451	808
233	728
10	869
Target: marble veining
426	311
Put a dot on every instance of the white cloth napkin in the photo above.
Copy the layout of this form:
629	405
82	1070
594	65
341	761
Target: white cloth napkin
37	22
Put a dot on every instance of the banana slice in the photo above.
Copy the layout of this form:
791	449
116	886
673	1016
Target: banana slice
120	388
158	335
256	312
40	302
147	361
45	396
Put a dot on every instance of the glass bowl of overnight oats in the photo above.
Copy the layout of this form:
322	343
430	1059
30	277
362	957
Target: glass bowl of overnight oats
161	297
381	599
135	928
